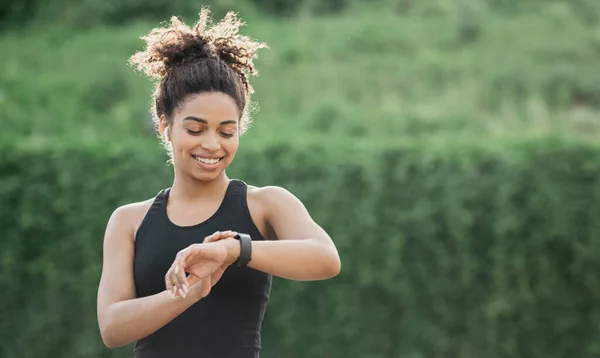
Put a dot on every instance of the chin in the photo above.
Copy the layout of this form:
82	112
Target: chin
206	177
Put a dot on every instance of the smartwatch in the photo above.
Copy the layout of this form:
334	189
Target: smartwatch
245	249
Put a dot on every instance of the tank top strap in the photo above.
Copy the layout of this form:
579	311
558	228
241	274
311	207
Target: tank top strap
159	200
155	208
154	212
235	201
237	188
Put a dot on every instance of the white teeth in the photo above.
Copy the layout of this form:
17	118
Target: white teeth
207	161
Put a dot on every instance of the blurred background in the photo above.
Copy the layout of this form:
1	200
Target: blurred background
450	147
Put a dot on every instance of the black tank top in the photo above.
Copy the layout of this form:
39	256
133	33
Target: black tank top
226	323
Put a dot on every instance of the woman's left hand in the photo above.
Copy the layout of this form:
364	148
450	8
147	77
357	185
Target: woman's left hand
205	260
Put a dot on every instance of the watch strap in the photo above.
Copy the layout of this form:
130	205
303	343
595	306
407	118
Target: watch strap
245	249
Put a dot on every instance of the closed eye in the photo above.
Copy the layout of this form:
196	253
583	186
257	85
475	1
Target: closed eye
226	135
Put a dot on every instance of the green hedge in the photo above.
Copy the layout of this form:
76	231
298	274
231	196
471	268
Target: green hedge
450	248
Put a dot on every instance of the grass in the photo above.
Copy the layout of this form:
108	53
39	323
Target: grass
360	75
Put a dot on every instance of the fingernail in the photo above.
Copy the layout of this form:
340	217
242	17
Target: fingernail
183	294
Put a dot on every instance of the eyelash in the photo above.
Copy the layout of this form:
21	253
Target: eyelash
226	135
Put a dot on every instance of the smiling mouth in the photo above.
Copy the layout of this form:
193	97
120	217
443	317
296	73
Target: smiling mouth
209	161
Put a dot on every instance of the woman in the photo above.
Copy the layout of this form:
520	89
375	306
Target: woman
188	272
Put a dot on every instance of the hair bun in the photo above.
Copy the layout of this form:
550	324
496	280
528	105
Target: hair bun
190	49
169	47
176	44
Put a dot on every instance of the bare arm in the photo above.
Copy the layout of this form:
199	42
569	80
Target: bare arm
123	318
303	251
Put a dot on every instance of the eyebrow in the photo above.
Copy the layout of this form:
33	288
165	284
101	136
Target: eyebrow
192	118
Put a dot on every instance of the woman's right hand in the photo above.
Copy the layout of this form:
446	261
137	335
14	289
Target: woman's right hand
195	285
200	288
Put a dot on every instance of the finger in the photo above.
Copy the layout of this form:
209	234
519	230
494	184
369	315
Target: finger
182	265
180	272
220	235
184	257
169	283
175	278
228	233
212	238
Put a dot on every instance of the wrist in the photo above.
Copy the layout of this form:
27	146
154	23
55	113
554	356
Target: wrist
194	295
233	250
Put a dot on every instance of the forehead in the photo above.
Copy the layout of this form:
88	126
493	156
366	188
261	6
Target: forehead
210	106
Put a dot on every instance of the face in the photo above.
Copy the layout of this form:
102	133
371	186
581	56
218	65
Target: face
204	135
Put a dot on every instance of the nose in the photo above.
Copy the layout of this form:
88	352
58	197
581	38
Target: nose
211	143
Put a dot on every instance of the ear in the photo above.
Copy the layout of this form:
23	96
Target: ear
163	127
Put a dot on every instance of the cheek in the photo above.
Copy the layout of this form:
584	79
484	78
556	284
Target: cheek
231	146
185	143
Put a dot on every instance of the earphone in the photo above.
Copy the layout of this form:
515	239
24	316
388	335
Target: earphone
166	134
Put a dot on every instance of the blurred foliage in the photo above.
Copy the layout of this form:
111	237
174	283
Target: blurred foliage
89	13
450	248
462	68
443	129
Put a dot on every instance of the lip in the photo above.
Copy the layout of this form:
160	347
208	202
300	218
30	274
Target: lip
208	156
205	165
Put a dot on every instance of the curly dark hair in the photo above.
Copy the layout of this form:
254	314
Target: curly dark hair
207	57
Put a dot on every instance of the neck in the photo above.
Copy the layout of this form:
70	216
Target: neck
188	188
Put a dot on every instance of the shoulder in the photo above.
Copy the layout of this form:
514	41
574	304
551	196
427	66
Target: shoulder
271	194
270	205
273	199
133	210
130	216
